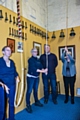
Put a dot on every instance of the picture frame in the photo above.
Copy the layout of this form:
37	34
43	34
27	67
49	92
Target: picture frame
19	46
11	44
38	47
71	48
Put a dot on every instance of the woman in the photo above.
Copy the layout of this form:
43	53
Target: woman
34	69
69	74
8	75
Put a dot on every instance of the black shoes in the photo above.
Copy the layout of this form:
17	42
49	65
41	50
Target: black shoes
55	102
38	104
72	101
29	109
46	101
66	101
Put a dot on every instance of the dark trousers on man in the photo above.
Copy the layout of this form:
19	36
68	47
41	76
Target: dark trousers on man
52	78
32	83
69	82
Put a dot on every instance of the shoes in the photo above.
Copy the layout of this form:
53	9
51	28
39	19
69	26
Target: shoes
29	109
66	101
38	104
46	101
55	102
72	101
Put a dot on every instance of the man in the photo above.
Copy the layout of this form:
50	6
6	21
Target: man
34	69
49	60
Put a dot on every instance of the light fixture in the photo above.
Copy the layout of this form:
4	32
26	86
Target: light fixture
31	28
22	35
6	18
62	34
53	35
9	30
10	19
1	16
12	32
14	20
22	24
40	33
25	36
43	34
72	32
25	25
17	34
37	31
34	30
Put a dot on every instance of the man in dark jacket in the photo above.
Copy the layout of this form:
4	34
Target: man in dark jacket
34	69
49	60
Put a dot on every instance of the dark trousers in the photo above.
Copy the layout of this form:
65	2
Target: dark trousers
69	82
3	102
11	96
52	78
32	83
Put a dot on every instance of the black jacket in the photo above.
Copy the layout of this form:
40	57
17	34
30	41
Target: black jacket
52	62
34	64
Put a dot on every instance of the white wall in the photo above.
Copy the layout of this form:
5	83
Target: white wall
57	14
34	10
55	19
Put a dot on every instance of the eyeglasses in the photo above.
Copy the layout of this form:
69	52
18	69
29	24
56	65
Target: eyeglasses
35	51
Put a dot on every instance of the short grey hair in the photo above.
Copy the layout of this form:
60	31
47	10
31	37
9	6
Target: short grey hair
33	49
46	45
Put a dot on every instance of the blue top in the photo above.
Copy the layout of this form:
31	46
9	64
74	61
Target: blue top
33	65
72	66
52	62
7	74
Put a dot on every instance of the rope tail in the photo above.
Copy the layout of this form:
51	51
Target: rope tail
22	62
